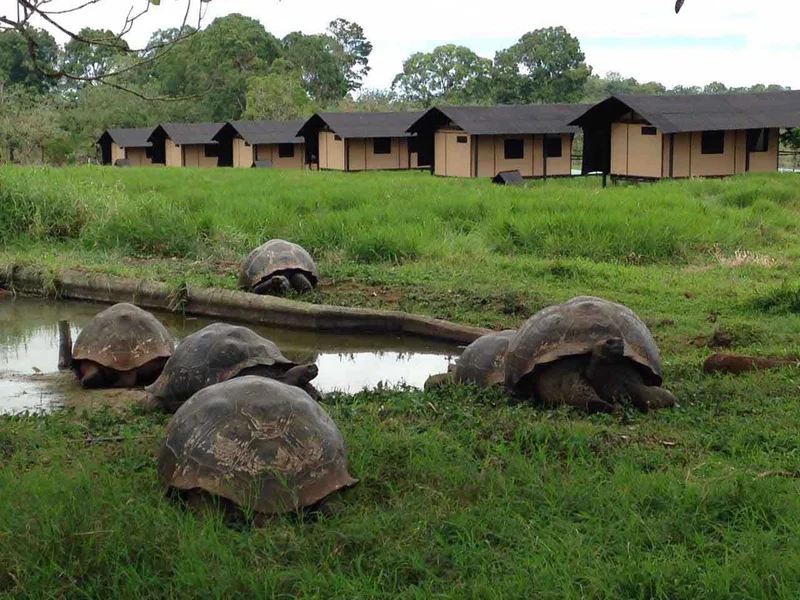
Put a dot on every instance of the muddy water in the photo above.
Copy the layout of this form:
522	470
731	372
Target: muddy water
348	363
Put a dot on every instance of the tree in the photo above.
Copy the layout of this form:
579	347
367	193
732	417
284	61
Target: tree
54	15
597	88
92	61
370	100
545	65
27	121
16	65
277	95
449	73
354	50
315	57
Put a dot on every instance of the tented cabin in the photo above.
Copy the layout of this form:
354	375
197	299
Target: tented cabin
652	137
130	144
361	141
188	145
269	142
482	141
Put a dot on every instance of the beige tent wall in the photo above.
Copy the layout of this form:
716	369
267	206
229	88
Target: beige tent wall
357	154
764	162
413	159
524	165
453	159
270	152
116	152
487	167
138	157
619	149
561	165
173	154
705	165
403	157
194	155
681	155
243	154
665	141
740	149
644	152
331	151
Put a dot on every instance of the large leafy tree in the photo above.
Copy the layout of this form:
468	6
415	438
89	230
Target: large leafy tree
17	65
353	51
28	120
597	88
317	58
544	66
278	95
449	73
92	60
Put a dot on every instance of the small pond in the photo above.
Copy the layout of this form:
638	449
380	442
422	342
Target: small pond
347	362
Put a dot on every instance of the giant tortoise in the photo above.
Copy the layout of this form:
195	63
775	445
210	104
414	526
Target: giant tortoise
122	346
589	353
482	363
278	267
220	352
259	443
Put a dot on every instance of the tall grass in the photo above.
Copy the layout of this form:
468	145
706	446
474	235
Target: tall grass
385	217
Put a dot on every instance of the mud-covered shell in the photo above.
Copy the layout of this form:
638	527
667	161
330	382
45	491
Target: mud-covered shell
572	328
214	354
483	361
123	337
273	257
260	443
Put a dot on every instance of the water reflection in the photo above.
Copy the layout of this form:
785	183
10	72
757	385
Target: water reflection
29	344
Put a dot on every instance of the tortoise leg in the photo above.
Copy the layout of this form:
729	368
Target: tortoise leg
438	380
564	383
652	397
315	394
620	381
275	285
300	283
92	375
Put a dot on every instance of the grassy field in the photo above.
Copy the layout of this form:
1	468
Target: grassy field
462	493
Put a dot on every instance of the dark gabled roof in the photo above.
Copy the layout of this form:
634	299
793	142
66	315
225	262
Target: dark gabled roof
517	119
189	133
361	124
127	137
704	112
265	132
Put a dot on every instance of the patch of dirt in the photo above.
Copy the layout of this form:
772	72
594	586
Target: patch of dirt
378	292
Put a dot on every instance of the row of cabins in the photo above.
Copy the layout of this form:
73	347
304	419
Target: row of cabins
627	136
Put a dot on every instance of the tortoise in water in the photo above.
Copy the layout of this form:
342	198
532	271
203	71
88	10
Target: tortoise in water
278	267
482	363
122	346
588	353
260	444
220	352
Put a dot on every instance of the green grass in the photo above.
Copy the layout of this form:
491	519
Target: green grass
462	494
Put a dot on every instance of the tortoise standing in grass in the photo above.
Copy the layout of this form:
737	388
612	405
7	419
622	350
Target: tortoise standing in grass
482	363
220	352
122	346
262	445
588	353
278	267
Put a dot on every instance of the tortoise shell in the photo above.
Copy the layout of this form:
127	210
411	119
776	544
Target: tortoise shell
214	354
123	337
274	257
483	361
260	443
571	329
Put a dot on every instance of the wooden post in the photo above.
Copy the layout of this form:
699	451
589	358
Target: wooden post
64	346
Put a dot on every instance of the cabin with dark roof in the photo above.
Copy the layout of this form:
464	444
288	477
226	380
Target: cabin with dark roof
188	145
361	141
273	141
482	141
126	143
653	137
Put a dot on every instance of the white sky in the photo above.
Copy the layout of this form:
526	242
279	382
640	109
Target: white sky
738	42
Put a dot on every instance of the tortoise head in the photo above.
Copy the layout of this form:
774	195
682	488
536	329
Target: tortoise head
611	349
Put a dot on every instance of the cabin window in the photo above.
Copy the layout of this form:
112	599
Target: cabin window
337	137
461	139
285	150
413	144
382	145
713	142
212	151
553	146
649	130
514	148
758	140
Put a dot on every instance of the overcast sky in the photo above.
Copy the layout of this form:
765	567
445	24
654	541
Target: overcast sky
738	42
